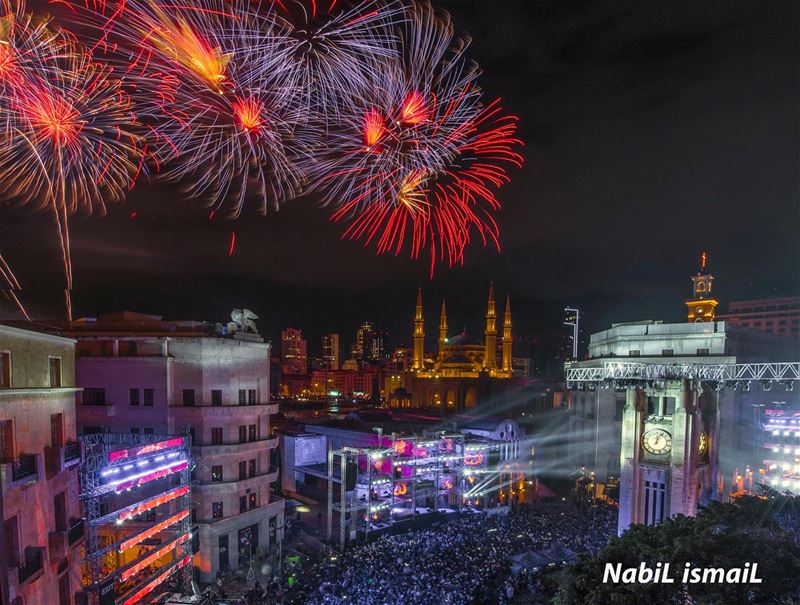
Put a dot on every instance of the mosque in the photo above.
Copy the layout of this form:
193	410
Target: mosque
463	372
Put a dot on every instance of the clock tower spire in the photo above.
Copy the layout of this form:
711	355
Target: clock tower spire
702	306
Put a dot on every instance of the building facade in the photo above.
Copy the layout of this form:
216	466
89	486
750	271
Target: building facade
142	374
41	550
331	352
774	315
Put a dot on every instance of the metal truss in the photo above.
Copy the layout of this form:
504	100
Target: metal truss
623	372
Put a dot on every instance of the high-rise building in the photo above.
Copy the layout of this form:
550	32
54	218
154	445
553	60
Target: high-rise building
774	315
148	376
294	352
331	352
362	347
39	456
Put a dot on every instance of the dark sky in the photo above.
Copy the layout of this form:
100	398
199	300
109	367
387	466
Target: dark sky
653	130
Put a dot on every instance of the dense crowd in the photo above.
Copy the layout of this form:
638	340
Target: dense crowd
462	562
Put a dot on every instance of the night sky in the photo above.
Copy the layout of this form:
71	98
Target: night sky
653	130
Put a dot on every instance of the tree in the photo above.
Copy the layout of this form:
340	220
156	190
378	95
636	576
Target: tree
752	529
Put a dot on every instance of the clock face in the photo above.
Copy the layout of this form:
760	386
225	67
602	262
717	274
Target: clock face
657	441
702	446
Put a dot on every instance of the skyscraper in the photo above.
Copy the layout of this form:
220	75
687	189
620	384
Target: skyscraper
294	355
331	355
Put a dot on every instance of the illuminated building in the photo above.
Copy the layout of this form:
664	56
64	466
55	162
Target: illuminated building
144	375
463	370
366	383
294	355
672	444
331	352
363	344
702	306
39	456
780	443
137	503
774	315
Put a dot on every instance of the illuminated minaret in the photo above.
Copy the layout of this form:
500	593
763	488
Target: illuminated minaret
507	337
419	335
490	352
443	327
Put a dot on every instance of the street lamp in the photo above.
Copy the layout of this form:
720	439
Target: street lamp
574	322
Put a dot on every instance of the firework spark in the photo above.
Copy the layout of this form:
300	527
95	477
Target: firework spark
420	156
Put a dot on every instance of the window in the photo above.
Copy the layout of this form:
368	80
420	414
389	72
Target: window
133	396
57	430
216	473
55	372
242	433
64	590
60	511
148	430
11	531
669	406
192	436
652	406
242	504
634	353
251	468
702	351
242	397
148	397
251	396
242	470
6	441
619	410
667	352
252	499
216	512
94	396
5	369
216	397
134	430
188	398
252	432
216	436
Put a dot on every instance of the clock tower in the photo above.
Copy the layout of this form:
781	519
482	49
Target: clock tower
702	306
668	451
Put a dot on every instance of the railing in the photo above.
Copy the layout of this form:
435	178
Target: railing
23	468
75	531
31	565
72	450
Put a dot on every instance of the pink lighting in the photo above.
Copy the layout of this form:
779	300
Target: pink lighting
144	449
152	557
153	503
137	596
149	533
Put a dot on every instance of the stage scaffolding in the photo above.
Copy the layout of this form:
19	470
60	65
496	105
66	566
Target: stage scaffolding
404	477
136	503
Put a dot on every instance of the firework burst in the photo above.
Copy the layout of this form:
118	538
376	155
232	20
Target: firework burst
420	157
218	98
335	46
68	141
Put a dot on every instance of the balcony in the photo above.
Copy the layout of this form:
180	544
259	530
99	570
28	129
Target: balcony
58	459
245	447
32	566
27	469
235	486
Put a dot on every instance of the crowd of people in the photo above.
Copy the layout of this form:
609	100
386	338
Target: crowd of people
458	563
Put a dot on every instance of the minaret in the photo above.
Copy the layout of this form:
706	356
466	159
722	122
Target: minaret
419	335
443	327
507	340
703	305
490	351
